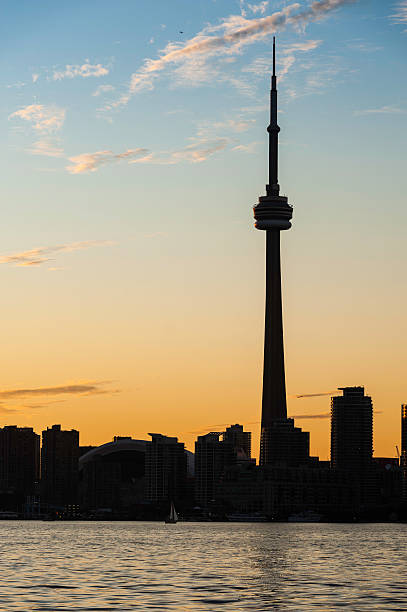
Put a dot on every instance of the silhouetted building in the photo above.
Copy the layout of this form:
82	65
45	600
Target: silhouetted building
352	430
386	495
386	463
213	455
352	439
85	449
279	492
112	476
19	465
59	466
239	440
166	469
403	456
209	466
240	489
286	445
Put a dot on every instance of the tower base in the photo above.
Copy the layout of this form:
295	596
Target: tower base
281	443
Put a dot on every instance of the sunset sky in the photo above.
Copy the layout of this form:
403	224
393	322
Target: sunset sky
134	147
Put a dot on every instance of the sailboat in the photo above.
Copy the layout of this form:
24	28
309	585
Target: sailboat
173	516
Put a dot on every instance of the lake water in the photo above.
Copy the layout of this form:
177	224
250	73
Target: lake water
206	567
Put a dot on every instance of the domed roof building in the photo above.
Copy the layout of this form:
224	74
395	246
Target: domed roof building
112	477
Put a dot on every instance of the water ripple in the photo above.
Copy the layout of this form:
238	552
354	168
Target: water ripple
208	567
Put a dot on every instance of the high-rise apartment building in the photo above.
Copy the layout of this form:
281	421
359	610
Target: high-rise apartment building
19	464
166	469
213	455
352	430
59	466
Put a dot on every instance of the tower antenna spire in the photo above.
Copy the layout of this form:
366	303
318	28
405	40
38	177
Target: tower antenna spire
274	56
273	130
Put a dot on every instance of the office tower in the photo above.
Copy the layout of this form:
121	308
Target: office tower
59	466
352	430
19	464
209	466
280	441
239	440
166	469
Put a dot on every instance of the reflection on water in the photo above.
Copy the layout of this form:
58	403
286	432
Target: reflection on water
201	567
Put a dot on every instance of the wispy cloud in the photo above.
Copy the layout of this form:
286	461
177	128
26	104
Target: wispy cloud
363	46
400	14
155	235
289	53
84	70
47	148
6	409
17	85
219	427
383	110
195	152
246	148
87	388
90	162
40	255
287	57
199	150
207	130
225	39
258	8
44	119
322	415
302	395
103	89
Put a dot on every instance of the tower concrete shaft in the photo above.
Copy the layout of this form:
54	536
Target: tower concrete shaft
274	403
273	214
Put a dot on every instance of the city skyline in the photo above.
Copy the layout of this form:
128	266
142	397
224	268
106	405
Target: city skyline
135	290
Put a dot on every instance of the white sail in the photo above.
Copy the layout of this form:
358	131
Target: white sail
173	514
172	517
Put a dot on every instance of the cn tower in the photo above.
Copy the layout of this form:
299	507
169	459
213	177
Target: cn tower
273	214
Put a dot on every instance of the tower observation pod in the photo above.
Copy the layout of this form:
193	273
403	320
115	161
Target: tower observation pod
272	213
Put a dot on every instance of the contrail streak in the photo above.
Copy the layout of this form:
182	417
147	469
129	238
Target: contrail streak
231	41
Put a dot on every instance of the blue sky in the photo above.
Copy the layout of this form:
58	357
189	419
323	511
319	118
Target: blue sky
132	155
